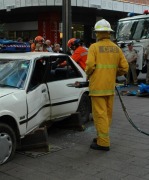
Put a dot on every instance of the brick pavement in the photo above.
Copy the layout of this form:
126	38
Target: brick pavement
128	158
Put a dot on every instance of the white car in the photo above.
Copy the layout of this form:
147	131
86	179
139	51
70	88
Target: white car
34	88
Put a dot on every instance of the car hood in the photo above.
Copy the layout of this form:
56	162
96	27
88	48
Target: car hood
7	91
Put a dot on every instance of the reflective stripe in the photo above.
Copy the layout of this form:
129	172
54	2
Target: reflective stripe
106	66
84	54
102	91
98	27
102	135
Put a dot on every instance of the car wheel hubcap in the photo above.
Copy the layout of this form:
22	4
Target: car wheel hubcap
5	147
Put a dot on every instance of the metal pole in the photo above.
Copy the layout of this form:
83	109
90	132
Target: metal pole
66	23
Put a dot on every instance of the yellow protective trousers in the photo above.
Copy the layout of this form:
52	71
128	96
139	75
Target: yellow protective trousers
102	108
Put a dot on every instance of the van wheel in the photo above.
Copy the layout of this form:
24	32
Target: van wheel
84	108
7	143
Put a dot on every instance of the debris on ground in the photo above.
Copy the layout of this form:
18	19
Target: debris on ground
142	90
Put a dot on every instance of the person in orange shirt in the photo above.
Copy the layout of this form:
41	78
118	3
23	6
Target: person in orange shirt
32	47
79	53
38	44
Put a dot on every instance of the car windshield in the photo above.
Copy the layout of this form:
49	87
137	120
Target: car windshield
133	30
13	73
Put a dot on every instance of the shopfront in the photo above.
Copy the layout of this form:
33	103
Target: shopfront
32	18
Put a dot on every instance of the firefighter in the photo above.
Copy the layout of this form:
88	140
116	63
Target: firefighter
79	53
105	61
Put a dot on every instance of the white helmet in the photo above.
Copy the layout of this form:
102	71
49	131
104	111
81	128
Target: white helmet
102	25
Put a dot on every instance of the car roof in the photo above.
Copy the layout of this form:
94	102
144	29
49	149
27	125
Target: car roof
29	55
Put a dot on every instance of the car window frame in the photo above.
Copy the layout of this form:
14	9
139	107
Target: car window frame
51	77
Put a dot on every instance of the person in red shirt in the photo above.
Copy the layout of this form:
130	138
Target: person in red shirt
79	53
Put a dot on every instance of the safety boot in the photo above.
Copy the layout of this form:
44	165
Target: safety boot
95	146
95	140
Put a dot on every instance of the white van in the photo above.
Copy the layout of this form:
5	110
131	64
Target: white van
134	29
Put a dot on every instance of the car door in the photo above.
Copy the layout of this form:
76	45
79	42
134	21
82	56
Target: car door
37	97
64	99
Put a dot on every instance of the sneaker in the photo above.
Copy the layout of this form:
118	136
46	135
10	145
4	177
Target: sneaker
98	147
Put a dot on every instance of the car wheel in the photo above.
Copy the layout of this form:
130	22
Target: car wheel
7	143
84	108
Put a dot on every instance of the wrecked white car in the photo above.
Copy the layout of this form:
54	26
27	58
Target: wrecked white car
34	88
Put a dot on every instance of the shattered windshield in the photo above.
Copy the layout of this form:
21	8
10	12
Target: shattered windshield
133	30
13	73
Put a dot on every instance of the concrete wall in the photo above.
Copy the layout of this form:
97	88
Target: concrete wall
99	4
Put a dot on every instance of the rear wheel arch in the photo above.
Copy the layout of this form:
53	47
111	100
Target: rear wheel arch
84	107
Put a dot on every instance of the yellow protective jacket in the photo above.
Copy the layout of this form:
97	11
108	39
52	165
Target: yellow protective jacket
105	61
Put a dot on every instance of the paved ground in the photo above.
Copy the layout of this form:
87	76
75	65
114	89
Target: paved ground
73	160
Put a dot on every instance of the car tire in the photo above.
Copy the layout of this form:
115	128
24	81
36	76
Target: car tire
84	108
7	143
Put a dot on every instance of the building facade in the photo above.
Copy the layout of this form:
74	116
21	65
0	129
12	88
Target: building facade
28	18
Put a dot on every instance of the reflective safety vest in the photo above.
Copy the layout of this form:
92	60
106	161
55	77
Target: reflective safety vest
104	62
80	56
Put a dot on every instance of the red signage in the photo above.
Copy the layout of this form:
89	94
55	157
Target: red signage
142	2
48	26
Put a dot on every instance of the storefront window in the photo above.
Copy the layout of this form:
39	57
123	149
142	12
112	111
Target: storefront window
25	35
78	31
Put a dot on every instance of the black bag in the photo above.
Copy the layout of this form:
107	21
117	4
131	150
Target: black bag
144	69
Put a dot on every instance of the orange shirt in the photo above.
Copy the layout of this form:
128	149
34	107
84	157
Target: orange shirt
80	56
